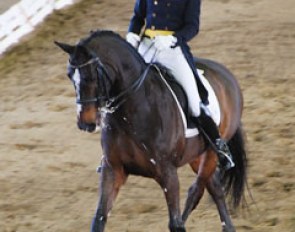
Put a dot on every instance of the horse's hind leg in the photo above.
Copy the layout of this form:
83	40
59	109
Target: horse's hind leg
170	185
110	182
205	168
215	189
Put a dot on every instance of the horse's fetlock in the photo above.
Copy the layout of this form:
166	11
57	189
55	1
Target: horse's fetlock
226	228
177	227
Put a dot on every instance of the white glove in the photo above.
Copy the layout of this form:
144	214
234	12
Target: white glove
133	39
164	42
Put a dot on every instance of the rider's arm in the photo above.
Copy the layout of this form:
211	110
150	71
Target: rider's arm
138	19
191	22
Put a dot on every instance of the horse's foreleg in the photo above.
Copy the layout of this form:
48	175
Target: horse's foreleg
205	168
170	185
215	189
110	182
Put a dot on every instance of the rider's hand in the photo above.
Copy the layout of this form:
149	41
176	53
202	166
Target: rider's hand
164	42
133	39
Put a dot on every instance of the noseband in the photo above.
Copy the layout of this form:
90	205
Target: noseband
112	104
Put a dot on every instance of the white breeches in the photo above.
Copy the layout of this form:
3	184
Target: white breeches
174	60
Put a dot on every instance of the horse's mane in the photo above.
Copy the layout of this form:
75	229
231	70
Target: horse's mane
107	33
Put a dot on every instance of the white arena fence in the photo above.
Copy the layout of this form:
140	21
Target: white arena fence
22	18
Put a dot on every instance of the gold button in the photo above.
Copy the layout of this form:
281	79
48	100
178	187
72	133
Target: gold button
154	15
156	2
168	4
153	27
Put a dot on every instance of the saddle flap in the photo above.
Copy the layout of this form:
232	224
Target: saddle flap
182	102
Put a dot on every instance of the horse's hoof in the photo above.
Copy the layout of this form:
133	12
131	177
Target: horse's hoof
180	229
226	229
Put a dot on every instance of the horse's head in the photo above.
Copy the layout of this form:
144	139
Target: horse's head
87	74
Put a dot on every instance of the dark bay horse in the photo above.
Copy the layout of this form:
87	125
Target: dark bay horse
142	131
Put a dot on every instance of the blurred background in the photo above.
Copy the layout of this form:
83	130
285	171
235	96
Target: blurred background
5	5
48	180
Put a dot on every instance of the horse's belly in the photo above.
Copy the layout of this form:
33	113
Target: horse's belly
140	169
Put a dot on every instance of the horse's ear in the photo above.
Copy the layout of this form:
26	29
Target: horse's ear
65	47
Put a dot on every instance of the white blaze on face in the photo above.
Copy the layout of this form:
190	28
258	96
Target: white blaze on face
77	79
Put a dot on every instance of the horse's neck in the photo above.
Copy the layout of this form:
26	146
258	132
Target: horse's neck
125	63
147	108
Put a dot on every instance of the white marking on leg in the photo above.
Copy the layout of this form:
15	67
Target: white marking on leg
223	223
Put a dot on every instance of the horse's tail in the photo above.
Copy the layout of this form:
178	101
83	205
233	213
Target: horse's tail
235	180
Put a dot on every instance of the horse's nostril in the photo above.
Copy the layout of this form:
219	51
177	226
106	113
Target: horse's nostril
86	127
91	127
79	124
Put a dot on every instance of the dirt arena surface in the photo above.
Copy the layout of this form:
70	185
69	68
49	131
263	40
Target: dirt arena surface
6	4
47	166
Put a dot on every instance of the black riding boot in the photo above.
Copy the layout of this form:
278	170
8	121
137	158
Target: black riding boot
210	131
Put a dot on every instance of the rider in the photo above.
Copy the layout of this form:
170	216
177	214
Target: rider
168	26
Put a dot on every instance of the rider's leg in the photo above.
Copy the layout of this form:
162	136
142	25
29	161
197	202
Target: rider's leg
209	129
174	60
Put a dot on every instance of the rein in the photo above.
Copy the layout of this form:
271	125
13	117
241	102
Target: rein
118	100
115	102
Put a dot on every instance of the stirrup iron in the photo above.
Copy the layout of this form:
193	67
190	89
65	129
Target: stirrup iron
224	151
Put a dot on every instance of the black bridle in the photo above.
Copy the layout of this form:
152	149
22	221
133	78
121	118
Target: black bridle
100	80
111	103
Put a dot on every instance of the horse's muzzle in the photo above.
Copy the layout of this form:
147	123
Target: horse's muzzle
88	119
89	127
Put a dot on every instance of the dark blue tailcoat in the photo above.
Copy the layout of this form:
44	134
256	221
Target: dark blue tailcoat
180	16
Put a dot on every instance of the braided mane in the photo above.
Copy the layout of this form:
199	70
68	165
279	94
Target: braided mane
98	34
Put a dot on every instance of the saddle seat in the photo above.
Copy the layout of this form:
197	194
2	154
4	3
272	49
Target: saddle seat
181	98
178	91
